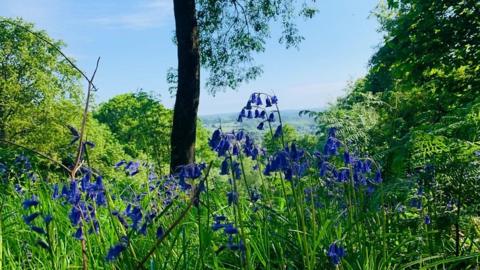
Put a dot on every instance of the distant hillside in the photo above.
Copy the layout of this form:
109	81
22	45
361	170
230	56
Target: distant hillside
303	124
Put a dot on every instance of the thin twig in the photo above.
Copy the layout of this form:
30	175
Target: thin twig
84	122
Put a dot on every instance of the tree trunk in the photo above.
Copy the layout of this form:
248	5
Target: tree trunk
188	90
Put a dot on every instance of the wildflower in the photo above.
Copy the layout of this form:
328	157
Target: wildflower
120	163
271	117
249	114
18	188
278	132
255	196
224	167
75	134
335	253
75	215
28	219
378	177
55	194
274	100
33	201
427	220
136	216
268	102
260	126
232	197
117	249
347	158
230	229
160	232
38	229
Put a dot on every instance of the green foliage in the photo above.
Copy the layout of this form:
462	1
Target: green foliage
40	92
143	125
140	123
233	32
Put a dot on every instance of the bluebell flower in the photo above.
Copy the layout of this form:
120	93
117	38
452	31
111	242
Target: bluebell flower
268	102
257	113
249	114
74	195
335	253
255	196
55	194
136	216
38	230
132	168
263	115
378	177
120	163
28	219
427	220
239	135
237	172
79	234
278	132
243	113
259	101
75	215
33	201
160	232
274	100
230	229
416	203
217	226
232	197
346	158
224	167
117	249
143	229
18	189
249	105
271	117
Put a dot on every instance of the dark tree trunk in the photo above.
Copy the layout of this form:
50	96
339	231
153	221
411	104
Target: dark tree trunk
188	91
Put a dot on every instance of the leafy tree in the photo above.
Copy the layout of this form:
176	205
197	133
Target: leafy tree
140	123
221	36
40	98
39	91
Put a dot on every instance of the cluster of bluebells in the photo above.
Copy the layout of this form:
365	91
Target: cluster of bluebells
257	109
355	170
221	222
131	168
30	219
83	196
290	160
24	166
164	190
425	180
228	144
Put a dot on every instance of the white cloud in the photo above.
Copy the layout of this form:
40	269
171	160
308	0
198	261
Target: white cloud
148	14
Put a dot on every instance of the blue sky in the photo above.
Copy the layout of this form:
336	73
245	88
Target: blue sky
134	41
